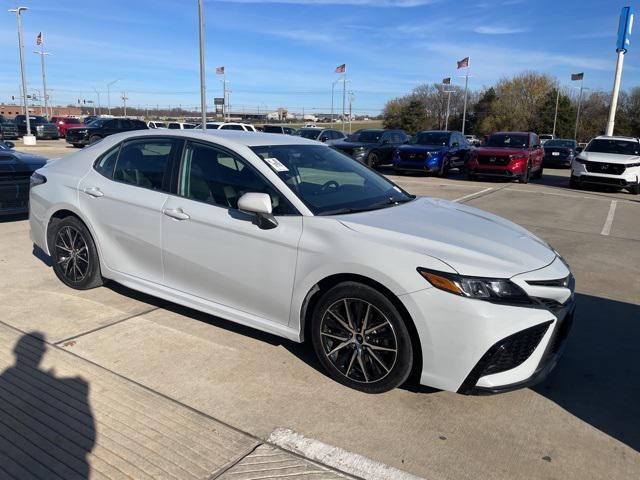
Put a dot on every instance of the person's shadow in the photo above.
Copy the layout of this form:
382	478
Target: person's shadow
47	429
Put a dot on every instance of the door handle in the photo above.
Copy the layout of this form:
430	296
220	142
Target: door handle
176	213
94	192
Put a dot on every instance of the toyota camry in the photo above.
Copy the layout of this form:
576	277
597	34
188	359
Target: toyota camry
292	237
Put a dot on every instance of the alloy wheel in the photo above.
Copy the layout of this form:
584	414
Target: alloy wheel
72	254
358	340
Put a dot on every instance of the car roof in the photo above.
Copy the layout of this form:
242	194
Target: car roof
511	133
238	137
611	137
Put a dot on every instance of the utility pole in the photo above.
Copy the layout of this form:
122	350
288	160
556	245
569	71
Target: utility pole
575	132
98	95
203	86
344	94
124	102
446	118
624	31
555	116
351	97
28	139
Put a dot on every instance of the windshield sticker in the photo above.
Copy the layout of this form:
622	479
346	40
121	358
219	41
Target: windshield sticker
275	164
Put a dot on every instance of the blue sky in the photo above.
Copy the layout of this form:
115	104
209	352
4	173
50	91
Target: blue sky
284	52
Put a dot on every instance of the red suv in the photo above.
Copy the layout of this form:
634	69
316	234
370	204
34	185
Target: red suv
514	155
64	123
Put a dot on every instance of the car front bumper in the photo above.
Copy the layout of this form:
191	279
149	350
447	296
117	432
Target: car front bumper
630	177
476	347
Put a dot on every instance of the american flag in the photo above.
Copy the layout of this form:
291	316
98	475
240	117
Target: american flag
341	68
577	76
446	81
464	63
219	70
39	39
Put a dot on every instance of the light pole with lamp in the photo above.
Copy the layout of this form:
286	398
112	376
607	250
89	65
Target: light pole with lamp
109	94
203	86
28	139
42	53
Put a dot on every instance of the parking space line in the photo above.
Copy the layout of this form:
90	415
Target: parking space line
342	460
102	327
594	196
472	195
606	229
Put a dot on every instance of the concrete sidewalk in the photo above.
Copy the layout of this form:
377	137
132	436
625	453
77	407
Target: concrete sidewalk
64	417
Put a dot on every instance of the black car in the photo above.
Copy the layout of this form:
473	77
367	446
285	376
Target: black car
560	152
8	129
372	146
16	169
100	128
40	127
279	129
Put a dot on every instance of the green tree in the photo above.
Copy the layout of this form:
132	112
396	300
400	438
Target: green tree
566	115
392	113
414	117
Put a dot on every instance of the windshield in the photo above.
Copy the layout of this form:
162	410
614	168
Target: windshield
160	125
619	147
432	138
367	136
98	122
561	143
310	133
329	182
72	121
506	140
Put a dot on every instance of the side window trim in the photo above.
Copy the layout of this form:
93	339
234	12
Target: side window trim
237	157
105	154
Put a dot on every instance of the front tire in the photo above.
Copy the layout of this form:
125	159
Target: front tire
574	182
635	189
74	254
373	159
524	178
361	339
94	138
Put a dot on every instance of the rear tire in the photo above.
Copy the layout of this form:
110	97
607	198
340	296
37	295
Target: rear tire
74	254
538	174
361	339
372	160
635	189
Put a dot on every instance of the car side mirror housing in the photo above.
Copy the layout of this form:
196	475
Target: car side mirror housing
579	149
258	204
384	142
324	138
9	144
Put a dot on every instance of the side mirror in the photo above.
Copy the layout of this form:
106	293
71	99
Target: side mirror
455	144
324	138
10	144
259	204
578	149
384	142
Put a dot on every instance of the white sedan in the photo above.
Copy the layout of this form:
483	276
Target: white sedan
291	237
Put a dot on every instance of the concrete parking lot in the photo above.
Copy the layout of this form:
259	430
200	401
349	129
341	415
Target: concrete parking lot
583	422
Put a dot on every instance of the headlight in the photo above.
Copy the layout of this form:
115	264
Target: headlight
499	290
629	165
36	179
358	152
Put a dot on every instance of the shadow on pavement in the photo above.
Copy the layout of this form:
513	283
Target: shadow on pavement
14	217
598	378
47	428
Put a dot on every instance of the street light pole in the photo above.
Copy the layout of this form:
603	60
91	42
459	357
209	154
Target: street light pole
124	102
30	140
464	108
109	95
42	54
575	133
344	94
555	116
446	118
98	95
203	87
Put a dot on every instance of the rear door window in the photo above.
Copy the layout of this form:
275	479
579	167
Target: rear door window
144	163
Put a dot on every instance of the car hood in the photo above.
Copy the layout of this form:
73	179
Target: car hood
422	148
469	240
501	151
26	161
609	157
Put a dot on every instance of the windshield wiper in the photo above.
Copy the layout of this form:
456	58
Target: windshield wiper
376	206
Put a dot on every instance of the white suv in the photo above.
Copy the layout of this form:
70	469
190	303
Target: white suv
612	161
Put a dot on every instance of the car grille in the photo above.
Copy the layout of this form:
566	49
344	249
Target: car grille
413	157
620	182
601	167
560	335
560	282
493	160
11	130
15	177
562	154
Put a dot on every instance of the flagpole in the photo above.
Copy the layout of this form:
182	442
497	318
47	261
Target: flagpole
555	116
446	121
344	94
333	84
575	133
224	95
464	108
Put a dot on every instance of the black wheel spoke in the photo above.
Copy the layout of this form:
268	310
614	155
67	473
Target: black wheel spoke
359	340
72	254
